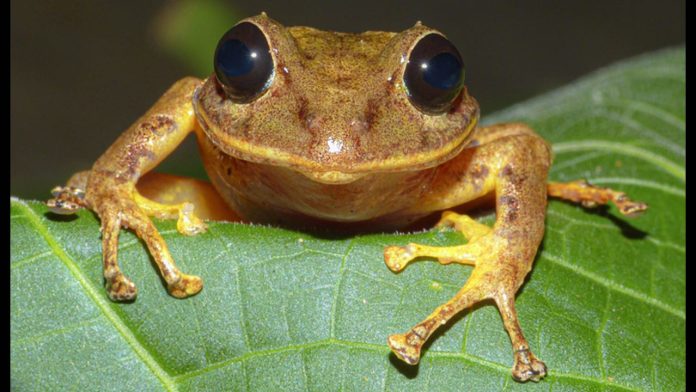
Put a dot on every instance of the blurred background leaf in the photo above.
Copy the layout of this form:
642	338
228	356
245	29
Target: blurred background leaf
190	30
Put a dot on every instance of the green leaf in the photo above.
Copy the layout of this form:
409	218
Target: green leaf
604	306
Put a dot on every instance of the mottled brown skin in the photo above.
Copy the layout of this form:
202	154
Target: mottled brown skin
336	139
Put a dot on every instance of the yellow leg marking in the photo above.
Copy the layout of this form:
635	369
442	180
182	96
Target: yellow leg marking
187	223
463	223
589	195
398	257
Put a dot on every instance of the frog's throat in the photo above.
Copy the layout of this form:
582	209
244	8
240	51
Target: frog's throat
319	171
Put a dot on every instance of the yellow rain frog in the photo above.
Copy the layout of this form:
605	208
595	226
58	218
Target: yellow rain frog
302	125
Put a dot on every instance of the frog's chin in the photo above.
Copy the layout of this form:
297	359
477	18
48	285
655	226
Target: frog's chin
332	177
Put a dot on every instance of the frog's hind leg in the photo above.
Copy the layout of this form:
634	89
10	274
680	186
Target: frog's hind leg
173	191
511	162
478	288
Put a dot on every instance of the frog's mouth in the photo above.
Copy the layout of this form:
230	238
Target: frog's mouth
321	171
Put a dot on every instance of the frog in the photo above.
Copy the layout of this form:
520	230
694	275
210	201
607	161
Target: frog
378	129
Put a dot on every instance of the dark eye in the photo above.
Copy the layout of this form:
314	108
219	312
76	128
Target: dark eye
243	62
434	75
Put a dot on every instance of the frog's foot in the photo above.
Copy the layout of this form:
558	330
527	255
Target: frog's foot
484	283
527	367
492	278
116	210
407	346
66	200
187	222
590	196
120	289
187	286
398	257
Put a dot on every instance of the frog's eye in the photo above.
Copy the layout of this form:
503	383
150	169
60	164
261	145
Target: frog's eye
434	75
243	62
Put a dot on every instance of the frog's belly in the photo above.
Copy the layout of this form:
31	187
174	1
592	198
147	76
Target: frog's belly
265	193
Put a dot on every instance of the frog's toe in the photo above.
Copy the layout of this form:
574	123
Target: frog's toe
403	349
66	200
120	289
188	223
527	367
397	257
470	228
187	286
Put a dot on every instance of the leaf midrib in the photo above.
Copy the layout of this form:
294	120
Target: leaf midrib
105	308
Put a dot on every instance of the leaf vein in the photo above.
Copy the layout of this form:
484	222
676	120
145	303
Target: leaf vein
337	291
29	259
59	331
242	313
612	285
106	309
623	148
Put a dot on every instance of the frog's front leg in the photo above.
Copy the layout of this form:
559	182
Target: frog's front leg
109	190
512	162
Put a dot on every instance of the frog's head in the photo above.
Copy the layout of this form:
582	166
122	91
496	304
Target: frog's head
336	106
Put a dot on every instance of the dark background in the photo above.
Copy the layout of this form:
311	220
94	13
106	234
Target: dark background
82	71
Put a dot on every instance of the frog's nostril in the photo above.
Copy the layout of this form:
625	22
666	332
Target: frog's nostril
311	121
359	126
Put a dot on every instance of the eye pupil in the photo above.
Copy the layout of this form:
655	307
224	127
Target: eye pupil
235	58
434	75
243	63
443	72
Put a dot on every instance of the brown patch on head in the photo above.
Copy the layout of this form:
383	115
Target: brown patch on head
302	111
